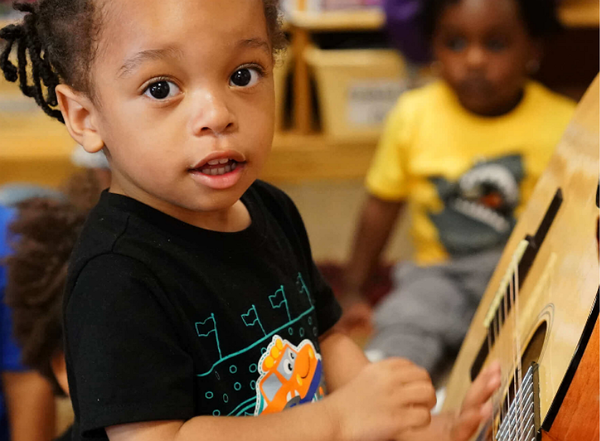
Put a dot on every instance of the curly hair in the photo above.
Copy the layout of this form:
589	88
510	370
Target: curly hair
540	16
60	39
83	190
43	236
46	231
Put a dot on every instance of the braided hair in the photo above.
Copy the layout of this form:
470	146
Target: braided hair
26	39
60	38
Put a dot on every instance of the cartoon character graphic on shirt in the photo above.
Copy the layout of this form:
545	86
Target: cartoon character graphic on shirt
479	208
289	376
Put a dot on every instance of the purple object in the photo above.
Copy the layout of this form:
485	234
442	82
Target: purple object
404	29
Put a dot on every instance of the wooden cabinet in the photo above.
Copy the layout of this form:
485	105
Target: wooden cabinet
37	149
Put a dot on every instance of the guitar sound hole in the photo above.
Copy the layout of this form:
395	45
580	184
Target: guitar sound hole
536	344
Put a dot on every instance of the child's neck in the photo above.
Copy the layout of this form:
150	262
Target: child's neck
228	220
233	219
502	109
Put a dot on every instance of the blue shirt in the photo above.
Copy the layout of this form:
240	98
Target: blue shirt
9	352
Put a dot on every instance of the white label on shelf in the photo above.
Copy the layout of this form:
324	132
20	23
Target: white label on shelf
314	5
369	101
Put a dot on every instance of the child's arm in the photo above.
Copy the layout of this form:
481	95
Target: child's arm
384	400
342	359
30	405
375	225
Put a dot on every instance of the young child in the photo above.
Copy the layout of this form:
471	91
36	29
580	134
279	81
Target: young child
26	400
46	232
464	153
192	295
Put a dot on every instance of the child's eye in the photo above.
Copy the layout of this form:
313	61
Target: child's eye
456	44
161	90
245	77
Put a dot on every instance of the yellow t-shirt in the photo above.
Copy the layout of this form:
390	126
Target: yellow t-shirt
465	177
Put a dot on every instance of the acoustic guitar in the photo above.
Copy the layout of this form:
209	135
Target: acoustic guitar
539	314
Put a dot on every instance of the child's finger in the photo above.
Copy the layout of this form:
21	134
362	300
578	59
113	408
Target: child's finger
484	386
466	425
486	411
469	421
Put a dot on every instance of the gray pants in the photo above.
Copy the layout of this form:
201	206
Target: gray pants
428	312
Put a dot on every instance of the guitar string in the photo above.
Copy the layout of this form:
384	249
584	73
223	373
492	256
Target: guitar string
518	346
498	345
515	351
495	395
505	357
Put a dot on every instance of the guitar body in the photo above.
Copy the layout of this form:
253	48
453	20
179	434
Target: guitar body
577	417
540	309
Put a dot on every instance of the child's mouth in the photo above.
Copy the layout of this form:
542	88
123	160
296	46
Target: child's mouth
217	167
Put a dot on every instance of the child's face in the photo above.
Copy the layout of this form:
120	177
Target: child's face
183	85
484	50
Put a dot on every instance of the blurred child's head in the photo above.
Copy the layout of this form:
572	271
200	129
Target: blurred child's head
178	93
487	48
45	232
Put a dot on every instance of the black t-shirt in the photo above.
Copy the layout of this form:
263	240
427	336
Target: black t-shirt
166	321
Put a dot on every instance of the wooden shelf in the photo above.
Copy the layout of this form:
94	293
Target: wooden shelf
580	14
575	13
39	149
35	150
37	137
43	156
297	158
354	20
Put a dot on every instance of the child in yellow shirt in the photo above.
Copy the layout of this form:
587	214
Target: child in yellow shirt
464	153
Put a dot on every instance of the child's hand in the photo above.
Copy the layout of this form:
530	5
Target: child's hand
477	406
384	400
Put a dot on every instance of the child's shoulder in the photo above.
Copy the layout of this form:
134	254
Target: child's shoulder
280	207
103	228
548	101
434	90
420	100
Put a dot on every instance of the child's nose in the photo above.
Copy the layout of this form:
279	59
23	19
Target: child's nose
476	57
211	115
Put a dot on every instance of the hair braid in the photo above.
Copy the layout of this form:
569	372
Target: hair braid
26	38
10	33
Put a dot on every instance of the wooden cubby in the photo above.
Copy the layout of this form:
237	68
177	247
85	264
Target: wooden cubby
38	149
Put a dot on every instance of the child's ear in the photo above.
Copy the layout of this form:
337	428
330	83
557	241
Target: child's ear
78	112
536	53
